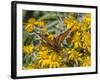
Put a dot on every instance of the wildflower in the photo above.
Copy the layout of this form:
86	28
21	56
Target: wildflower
41	23
30	25
76	27
29	28
55	60
87	40
76	40
48	58
86	22
75	56
28	49
85	26
43	58
87	61
32	20
69	22
87	18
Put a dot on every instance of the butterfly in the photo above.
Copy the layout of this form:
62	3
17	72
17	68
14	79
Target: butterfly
55	44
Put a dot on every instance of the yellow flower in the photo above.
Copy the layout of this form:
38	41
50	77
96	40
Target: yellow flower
31	20
85	26
87	18
76	40
74	55
29	28
69	22
28	49
87	61
86	22
87	40
41	23
54	60
76	37
43	58
76	27
30	25
48	58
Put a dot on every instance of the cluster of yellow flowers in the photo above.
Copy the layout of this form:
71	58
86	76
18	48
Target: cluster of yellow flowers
81	40
32	23
48	58
79	54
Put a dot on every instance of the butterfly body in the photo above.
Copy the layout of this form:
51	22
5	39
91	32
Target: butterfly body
56	48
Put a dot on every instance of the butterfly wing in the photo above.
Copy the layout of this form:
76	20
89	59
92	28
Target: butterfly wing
61	37
55	43
48	41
